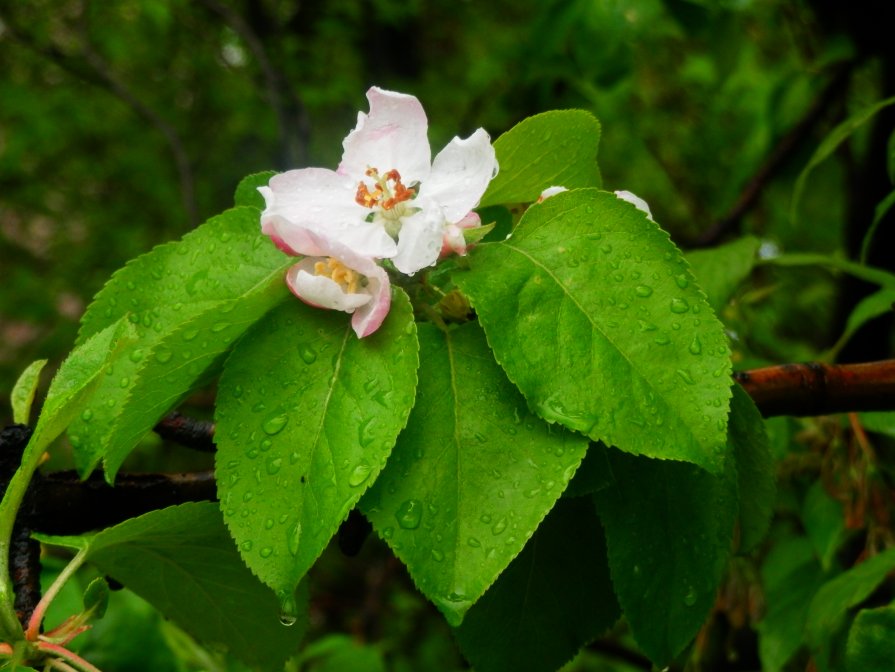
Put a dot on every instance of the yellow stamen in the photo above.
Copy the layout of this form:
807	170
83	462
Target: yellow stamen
347	278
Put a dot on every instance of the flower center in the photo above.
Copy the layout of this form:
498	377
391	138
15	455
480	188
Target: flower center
335	270
387	192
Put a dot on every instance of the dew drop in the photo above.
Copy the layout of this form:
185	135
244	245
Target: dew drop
308	356
237	391
124	382
679	306
190	334
359	475
485	518
220	326
437	555
661	340
266	552
499	526
136	355
288	608
696	346
409	514
294	538
246	546
681	281
643	291
690	597
473	542
163	355
86	415
273	465
275	424
685	376
265	445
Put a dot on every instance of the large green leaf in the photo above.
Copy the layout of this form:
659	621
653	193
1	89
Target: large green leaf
182	561
721	270
595	316
472	476
751	448
790	577
22	395
557	148
193	299
871	640
669	527
307	415
553	598
824	523
837	596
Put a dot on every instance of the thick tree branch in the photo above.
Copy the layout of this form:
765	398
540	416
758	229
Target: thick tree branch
821	389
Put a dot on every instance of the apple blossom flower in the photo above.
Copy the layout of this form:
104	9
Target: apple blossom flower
388	199
334	276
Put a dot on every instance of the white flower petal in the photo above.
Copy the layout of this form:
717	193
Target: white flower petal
392	136
321	291
420	239
638	202
550	191
460	174
320	201
454	240
369	317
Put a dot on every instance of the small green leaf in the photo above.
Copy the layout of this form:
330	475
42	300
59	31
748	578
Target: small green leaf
748	441
247	193
790	578
96	598
472	476
23	392
871	640
879	212
340	653
824	523
849	589
307	415
881	423
557	148
870	307
595	316
554	597
668	528
721	270
195	297
837	136
182	561
870	274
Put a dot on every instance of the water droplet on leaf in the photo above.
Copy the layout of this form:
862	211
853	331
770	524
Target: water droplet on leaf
409	514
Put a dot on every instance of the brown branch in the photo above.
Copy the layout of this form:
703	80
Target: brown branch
778	157
189	432
821	389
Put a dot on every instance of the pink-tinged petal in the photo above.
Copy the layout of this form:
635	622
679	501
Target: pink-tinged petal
369	317
391	136
420	240
454	241
460	174
320	201
636	201
320	291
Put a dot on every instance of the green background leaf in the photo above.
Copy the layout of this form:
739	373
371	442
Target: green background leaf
472	475
596	318
553	598
247	193
668	528
748	441
183	562
871	640
307	415
720	271
557	148
22	395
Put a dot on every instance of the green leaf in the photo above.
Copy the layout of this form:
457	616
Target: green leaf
721	270
182	561
247	190
340	653
871	640
668	527
554	597
870	274
879	212
824	523
197	297
557	148
307	415
75	381
881	423
790	577
596	318
22	395
472	476
748	440
830	144
849	589
870	307
593	475
890	152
